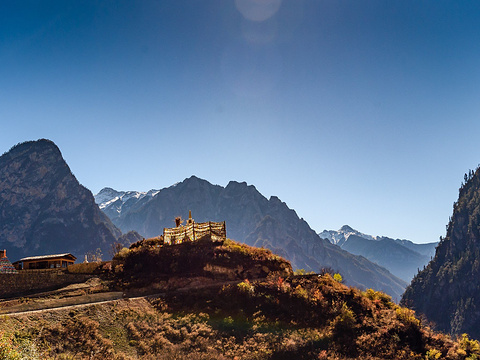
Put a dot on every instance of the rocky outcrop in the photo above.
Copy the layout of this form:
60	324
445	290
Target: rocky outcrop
44	209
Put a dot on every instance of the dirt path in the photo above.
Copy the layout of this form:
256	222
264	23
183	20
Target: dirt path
79	303
92	299
60	304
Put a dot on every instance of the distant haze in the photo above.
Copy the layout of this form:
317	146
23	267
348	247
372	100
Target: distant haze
352	112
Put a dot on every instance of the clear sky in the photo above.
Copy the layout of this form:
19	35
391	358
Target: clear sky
352	112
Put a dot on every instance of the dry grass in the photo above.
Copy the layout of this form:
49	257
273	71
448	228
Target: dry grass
292	317
295	318
89	268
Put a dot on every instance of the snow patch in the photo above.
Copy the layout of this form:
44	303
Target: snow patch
108	198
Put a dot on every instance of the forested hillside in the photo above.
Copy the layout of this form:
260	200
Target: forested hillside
448	290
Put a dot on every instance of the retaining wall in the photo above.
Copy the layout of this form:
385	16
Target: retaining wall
28	282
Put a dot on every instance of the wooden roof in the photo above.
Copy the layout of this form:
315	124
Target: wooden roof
48	257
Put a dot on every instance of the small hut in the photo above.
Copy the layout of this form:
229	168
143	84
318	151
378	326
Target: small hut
54	261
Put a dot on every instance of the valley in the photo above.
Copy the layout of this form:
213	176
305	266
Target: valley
278	291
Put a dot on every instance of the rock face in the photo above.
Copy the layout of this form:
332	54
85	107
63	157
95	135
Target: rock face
402	258
44	209
252	219
447	292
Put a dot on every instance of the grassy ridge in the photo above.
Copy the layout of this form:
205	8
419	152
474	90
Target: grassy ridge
265	313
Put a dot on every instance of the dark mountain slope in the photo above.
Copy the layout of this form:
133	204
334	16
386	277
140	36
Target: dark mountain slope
448	290
43	208
255	220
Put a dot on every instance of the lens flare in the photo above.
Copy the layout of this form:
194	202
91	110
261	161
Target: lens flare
258	10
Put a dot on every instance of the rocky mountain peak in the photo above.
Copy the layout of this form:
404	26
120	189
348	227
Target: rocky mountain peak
43	208
194	181
234	186
106	195
347	229
42	145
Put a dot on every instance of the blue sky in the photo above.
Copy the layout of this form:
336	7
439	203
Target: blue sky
352	112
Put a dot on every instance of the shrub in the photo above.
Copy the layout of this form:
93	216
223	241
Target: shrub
378	296
347	316
337	277
301	292
303	272
13	348
7	349
468	348
122	254
282	285
327	270
433	354
300	272
246	287
345	321
407	316
85	268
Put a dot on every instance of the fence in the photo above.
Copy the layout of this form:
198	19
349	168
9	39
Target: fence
194	231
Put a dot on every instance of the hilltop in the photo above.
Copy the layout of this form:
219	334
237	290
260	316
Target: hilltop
257	311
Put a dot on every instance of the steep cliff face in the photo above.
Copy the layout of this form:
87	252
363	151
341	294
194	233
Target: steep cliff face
447	292
44	209
252	219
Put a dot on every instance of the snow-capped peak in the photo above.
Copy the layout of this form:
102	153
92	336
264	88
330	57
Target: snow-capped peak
109	196
106	195
342	235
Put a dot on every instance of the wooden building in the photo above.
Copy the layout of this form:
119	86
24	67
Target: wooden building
45	262
193	231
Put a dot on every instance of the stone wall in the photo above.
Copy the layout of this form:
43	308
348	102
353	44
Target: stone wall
28	282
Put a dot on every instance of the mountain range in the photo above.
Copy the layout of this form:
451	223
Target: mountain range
43	207
251	218
403	258
45	210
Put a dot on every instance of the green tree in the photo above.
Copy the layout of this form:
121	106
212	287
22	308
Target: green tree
337	277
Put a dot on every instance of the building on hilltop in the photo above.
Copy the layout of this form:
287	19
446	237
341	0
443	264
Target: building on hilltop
193	231
45	262
6	267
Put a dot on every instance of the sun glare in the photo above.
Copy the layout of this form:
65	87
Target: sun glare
258	10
